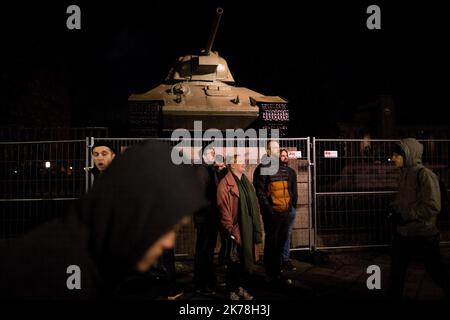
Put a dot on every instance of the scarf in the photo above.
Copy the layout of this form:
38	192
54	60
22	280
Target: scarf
249	221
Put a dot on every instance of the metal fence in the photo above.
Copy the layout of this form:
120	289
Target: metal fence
344	186
39	181
252	150
354	183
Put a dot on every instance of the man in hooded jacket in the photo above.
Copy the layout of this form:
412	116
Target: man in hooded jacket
415	211
107	235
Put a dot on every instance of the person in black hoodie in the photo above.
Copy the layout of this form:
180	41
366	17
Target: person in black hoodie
114	233
207	225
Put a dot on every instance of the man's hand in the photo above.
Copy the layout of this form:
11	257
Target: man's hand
395	216
236	239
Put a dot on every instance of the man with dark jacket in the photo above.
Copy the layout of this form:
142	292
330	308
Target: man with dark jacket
415	210
276	197
207	224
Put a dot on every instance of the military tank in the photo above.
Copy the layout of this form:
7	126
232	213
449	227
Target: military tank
200	87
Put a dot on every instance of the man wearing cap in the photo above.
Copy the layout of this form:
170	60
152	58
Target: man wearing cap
103	154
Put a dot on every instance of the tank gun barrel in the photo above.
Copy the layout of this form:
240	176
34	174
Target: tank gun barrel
214	28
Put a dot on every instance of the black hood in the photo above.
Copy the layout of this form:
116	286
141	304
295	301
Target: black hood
140	197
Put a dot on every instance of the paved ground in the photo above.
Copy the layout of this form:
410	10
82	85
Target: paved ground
327	276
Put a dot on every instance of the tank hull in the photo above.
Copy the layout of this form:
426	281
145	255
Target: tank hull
216	105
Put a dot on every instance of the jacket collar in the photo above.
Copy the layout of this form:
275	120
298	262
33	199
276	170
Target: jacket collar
232	185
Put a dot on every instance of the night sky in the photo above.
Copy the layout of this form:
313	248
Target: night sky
320	56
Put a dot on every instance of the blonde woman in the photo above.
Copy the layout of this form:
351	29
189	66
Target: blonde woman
240	219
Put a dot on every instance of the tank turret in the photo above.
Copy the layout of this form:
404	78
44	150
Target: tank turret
198	87
206	66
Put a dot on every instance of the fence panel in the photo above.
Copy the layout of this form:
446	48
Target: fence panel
354	183
38	182
252	150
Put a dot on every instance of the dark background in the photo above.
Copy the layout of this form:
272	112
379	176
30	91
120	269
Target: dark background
320	56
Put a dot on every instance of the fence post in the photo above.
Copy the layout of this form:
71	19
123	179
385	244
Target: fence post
314	206
308	156
89	144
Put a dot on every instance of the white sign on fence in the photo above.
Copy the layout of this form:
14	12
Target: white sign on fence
330	154
294	154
